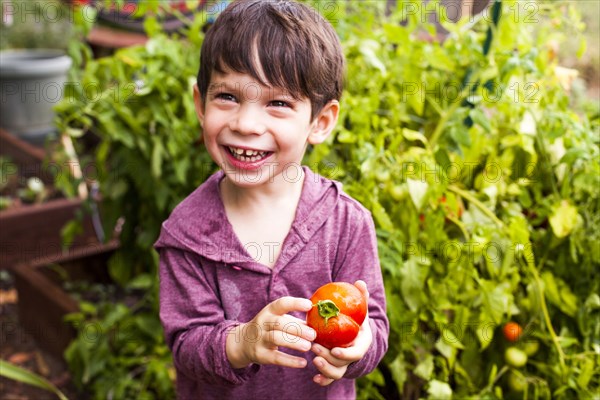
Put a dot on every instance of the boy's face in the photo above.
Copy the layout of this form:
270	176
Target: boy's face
257	133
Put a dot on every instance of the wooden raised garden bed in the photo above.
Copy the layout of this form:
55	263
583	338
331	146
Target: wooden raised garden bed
33	231
43	301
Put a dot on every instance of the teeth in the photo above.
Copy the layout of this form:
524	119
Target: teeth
247	155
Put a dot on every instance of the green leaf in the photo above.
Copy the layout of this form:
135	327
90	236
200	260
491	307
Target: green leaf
582	47
425	368
148	324
398	371
119	269
157	157
417	191
438	390
115	315
519	230
143	281
376	377
381	216
563	219
496	299
152	26
587	371
74	133
409	134
19	374
413	275
450	338
69	232
485	333
559	294
369	50
345	136
480	119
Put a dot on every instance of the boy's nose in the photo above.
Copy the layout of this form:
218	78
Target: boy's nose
247	122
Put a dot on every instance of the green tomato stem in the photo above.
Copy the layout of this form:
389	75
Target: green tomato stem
546	314
445	116
327	309
472	199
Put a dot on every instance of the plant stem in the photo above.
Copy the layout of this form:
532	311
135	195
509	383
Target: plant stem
546	314
460	226
443	120
445	116
472	199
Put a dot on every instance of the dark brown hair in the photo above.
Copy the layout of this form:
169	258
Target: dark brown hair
297	49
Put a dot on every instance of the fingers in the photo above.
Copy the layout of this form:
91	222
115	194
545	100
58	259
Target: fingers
362	286
295	327
348	354
283	339
329	371
288	304
265	349
330	367
322	380
325	353
277	357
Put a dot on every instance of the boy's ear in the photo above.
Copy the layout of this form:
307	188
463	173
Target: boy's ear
199	104
324	122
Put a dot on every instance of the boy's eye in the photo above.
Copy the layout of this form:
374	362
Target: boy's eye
225	97
279	103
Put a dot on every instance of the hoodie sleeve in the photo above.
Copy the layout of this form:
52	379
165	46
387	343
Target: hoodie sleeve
194	323
361	261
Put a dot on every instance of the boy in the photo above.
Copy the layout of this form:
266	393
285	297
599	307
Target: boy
240	256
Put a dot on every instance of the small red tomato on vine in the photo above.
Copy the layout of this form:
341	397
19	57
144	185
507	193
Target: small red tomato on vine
512	331
339	309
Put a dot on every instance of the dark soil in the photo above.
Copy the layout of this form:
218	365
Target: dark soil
19	348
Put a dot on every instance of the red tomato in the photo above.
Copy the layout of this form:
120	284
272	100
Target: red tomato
339	310
512	331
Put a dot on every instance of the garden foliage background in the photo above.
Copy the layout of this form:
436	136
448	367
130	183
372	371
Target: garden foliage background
479	168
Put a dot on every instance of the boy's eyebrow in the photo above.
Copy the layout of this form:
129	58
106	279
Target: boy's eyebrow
237	87
223	86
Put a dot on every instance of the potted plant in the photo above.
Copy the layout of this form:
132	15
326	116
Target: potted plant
33	66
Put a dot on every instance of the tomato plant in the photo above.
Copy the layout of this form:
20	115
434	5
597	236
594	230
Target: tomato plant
479	171
490	203
339	309
512	331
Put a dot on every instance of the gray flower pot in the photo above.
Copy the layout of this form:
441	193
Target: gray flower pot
31	84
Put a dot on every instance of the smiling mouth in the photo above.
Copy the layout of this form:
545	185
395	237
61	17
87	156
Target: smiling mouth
247	155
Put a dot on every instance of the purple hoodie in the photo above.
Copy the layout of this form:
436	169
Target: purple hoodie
209	283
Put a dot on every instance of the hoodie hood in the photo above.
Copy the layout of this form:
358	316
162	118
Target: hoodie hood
199	223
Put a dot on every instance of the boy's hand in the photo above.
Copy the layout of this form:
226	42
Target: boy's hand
333	363
258	341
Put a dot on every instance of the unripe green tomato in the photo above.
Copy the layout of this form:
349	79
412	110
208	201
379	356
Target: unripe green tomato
531	347
382	175
398	192
515	357
517	382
